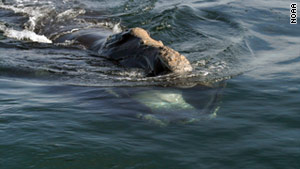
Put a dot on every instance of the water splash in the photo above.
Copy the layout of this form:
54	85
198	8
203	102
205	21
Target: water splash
24	35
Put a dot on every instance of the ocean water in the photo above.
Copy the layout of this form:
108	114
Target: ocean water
63	107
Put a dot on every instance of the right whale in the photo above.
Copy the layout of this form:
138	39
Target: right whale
133	48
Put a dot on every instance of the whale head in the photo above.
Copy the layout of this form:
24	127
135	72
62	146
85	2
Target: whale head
135	48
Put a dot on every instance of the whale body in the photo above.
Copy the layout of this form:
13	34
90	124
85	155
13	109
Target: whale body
133	48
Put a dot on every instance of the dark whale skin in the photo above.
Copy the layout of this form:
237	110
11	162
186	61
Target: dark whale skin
133	48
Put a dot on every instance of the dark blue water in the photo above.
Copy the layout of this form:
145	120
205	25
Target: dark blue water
61	107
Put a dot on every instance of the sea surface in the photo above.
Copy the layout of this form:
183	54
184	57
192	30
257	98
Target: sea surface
63	107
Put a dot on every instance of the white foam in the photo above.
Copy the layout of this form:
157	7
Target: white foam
2	27
24	35
34	13
70	13
16	10
37	13
117	28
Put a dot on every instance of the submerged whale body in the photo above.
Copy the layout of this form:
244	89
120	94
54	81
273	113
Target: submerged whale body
132	48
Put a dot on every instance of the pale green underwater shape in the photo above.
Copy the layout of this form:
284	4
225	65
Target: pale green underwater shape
162	101
158	100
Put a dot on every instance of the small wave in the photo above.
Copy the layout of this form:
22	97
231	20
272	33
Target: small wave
34	13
